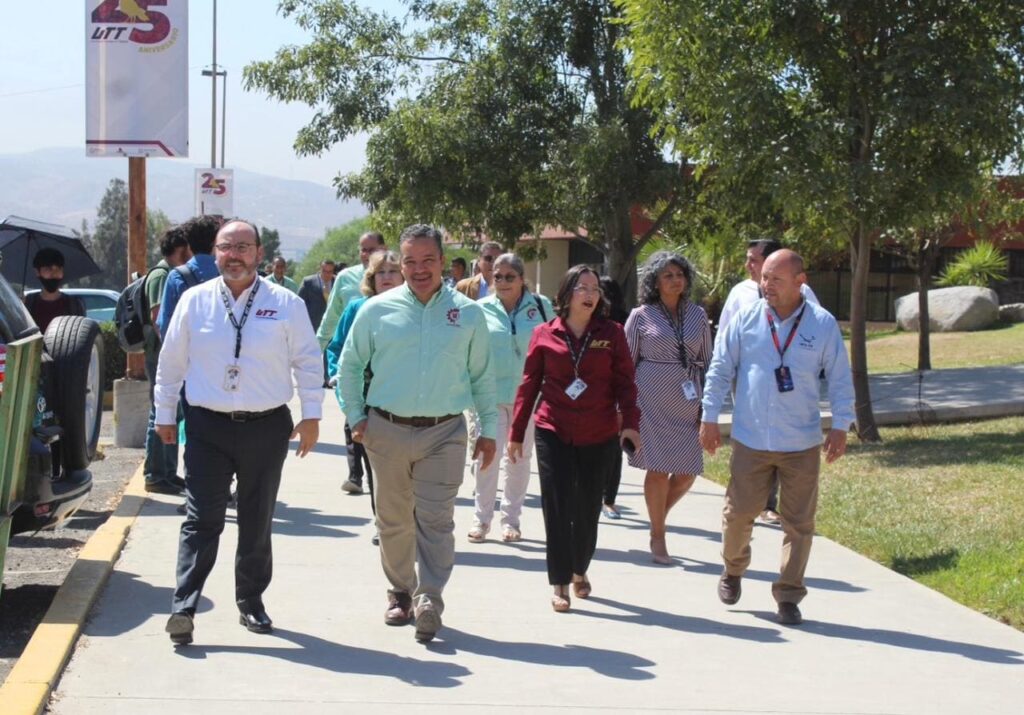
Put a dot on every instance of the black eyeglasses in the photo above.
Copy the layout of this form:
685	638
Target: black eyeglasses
506	277
487	259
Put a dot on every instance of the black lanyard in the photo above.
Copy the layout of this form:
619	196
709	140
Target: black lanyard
515	310
239	324
775	335
677	328
577	358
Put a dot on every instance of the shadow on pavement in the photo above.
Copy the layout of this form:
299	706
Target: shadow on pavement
640	616
299	521
340	658
610	663
826	584
902	639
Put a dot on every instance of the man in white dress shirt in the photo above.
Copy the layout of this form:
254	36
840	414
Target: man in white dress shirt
237	342
747	293
773	352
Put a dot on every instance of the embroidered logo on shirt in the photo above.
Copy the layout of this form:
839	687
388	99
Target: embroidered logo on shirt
453	316
266	313
807	341
601	344
531	314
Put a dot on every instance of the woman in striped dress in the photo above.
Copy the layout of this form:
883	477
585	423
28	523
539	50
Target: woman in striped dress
670	342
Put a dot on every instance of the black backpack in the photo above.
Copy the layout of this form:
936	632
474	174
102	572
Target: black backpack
131	316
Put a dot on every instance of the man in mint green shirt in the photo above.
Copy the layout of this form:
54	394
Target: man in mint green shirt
429	350
277	276
346	286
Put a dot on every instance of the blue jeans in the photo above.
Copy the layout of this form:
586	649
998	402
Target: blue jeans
161	459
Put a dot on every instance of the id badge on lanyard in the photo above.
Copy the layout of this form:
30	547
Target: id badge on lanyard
233	372
783	375
577	386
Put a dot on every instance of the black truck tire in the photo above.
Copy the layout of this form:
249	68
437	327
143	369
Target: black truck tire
76	346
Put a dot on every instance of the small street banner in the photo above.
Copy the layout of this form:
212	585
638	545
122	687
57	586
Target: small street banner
215	192
136	77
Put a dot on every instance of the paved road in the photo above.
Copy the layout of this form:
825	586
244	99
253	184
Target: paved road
650	639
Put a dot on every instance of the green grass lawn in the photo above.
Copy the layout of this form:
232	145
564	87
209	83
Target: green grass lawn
942	504
897	351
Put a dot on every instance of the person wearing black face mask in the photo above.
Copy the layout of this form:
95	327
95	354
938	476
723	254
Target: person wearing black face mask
51	302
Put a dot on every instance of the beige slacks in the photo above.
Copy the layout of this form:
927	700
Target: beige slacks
418	471
751	473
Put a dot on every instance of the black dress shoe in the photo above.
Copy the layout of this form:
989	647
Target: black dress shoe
179	627
177	481
162	487
256	621
729	589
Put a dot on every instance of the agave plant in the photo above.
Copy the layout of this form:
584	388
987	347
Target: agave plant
981	265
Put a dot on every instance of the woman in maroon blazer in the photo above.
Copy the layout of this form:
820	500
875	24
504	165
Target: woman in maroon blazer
580	367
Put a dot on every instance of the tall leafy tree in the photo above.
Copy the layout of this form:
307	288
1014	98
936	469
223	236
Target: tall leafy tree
489	117
340	243
270	238
857	116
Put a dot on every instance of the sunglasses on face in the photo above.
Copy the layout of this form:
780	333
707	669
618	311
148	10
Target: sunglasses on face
488	259
506	277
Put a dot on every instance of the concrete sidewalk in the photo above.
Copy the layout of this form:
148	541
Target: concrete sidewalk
649	639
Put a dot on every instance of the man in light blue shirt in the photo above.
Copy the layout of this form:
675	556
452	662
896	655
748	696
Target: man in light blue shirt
429	350
346	287
201	232
775	350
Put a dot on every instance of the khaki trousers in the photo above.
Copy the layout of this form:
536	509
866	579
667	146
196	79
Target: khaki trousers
751	473
418	471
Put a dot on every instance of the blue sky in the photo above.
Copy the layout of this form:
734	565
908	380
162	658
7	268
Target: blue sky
42	86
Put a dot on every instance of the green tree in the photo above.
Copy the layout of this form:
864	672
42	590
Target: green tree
270	239
856	116
493	117
340	243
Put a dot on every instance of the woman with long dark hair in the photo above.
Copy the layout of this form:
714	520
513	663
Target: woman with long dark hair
580	368
670	342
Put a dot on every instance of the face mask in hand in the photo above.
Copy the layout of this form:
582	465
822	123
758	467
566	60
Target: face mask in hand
50	285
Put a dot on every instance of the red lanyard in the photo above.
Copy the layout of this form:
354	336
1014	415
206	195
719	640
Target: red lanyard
792	332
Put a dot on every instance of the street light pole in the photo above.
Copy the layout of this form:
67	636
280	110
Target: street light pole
213	103
223	112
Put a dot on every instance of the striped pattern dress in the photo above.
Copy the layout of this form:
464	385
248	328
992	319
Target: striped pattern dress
669	423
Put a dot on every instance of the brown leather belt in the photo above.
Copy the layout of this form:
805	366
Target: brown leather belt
414	421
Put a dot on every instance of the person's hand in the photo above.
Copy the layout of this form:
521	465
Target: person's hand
168	434
359	431
710	437
333	381
485	448
308	432
632	435
514	450
835	445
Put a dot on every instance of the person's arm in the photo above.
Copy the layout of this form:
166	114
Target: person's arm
340	334
307	371
171	370
836	365
632	332
335	307
704	351
624	377
174	286
529	388
356	352
485	393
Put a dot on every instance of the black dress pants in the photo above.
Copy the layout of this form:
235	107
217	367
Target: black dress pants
572	481
359	464
216	449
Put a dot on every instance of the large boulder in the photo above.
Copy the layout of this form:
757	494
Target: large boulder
951	310
1012	313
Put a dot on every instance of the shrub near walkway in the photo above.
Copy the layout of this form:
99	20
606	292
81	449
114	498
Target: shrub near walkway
942	504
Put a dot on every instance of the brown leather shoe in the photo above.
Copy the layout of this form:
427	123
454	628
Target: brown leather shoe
729	589
789	614
399	608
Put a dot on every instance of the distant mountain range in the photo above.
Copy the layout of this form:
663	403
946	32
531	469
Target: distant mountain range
64	186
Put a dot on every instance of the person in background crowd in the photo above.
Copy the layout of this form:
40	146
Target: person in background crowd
161	466
201	232
670	342
773	351
747	293
579	366
237	343
315	291
431	358
512	314
383	273
480	285
277	276
347	286
617	312
51	301
458	272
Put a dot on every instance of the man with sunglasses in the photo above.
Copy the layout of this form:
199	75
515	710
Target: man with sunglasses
479	286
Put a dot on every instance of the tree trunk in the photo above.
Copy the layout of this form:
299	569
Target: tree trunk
860	264
925	262
620	264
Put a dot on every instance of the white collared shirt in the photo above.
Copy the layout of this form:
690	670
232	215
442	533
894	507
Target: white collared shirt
747	293
277	344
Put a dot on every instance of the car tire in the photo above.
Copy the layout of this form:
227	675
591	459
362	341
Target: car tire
76	347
